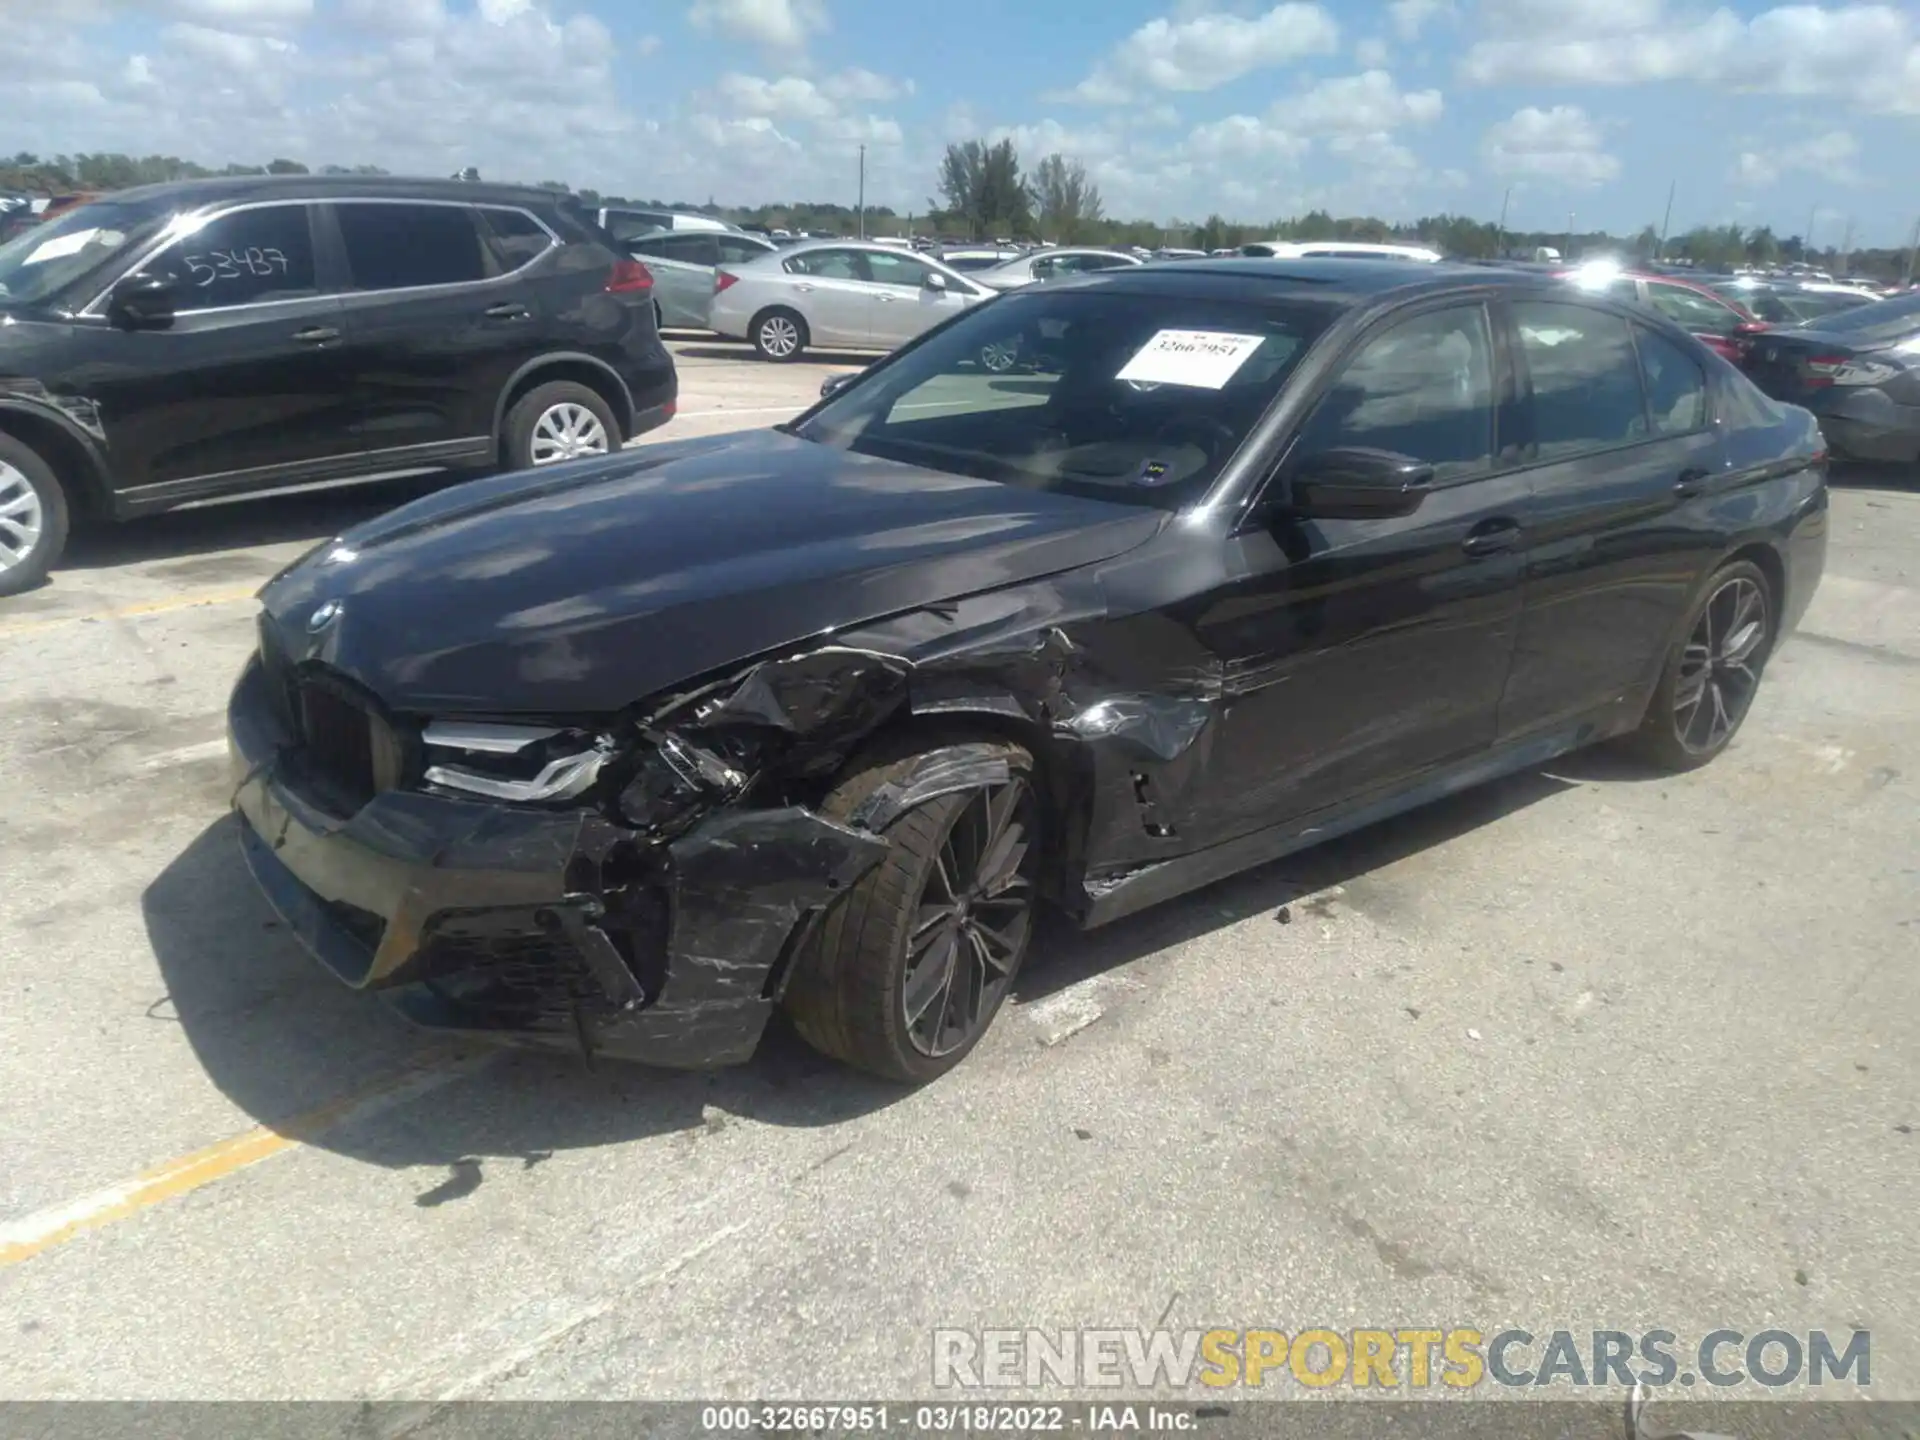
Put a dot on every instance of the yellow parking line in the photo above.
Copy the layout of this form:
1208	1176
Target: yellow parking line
129	612
27	1237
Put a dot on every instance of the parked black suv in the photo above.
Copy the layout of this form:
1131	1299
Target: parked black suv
217	338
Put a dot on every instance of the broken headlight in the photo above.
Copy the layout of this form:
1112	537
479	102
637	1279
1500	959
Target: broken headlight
677	780
528	764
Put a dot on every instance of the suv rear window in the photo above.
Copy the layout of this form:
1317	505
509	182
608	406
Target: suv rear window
517	238
403	246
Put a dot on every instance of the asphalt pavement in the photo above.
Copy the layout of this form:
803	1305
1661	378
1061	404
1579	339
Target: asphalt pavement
1582	1050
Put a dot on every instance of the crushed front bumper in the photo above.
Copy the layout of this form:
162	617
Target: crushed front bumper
552	928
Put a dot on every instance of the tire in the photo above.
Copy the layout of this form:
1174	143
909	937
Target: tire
1677	733
33	517
551	423
853	984
779	334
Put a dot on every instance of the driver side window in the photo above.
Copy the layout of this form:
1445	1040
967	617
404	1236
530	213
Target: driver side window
1423	388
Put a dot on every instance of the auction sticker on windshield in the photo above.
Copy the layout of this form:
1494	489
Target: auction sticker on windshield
1205	359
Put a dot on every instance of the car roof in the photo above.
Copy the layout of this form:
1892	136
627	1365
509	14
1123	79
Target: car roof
1337	282
237	188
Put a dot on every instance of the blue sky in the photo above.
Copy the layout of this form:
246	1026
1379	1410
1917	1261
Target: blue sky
1589	108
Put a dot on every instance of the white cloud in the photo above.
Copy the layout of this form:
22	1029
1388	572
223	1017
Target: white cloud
1410	15
790	97
1867	53
1562	144
858	84
247	15
1372	52
1203	52
1242	138
784	24
1358	104
398	17
1832	156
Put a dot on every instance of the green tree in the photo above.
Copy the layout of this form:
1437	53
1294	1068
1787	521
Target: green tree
1069	203
286	167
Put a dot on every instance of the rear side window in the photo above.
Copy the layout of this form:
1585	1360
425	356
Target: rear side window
737	249
1691	309
402	247
246	258
1676	385
828	264
687	246
1586	379
516	237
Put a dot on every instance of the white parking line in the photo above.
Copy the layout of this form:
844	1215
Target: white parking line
185	755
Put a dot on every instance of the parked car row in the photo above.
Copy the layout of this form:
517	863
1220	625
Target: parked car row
218	338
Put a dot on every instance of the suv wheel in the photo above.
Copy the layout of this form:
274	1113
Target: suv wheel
779	335
1712	673
33	517
559	421
910	966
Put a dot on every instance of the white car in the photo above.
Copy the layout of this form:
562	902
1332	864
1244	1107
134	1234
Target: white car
836	294
1049	265
1339	250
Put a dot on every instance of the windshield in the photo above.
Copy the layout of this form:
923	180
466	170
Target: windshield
1136	398
43	261
1882	320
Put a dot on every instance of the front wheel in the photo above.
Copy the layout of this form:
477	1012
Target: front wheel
908	969
1712	674
33	517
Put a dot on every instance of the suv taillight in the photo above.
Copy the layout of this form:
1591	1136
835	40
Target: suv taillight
629	277
722	279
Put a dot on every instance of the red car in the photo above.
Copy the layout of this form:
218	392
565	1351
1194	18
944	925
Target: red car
1721	324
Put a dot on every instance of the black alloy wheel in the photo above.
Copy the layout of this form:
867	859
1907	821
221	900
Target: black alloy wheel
972	924
907	969
1713	673
1719	671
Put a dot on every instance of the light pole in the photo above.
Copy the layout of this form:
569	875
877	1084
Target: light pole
1660	250
863	192
1500	234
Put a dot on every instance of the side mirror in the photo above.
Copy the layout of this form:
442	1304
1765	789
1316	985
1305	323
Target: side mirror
141	302
935	281
1356	484
834	384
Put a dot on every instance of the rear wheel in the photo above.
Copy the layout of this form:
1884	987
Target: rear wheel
561	420
33	517
779	335
1712	674
910	966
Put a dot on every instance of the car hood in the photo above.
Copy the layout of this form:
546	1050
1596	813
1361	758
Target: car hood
584	588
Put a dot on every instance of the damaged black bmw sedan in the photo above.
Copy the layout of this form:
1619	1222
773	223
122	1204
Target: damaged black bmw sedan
1214	561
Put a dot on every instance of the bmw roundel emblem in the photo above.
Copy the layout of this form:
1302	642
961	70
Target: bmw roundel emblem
323	616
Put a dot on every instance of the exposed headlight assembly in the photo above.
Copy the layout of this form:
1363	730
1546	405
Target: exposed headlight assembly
527	764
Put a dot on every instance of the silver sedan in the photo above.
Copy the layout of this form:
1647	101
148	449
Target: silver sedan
683	264
1051	264
836	294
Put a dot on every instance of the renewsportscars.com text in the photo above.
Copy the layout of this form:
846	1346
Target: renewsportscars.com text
1406	1358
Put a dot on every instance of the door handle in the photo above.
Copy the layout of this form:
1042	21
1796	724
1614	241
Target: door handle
804	289
1490	537
884	299
506	312
1691	482
316	335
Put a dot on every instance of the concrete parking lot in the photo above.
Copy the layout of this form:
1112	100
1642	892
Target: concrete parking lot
1582	1050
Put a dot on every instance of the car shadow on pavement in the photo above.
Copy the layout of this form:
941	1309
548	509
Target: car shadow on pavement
279	1036
1063	955
743	351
